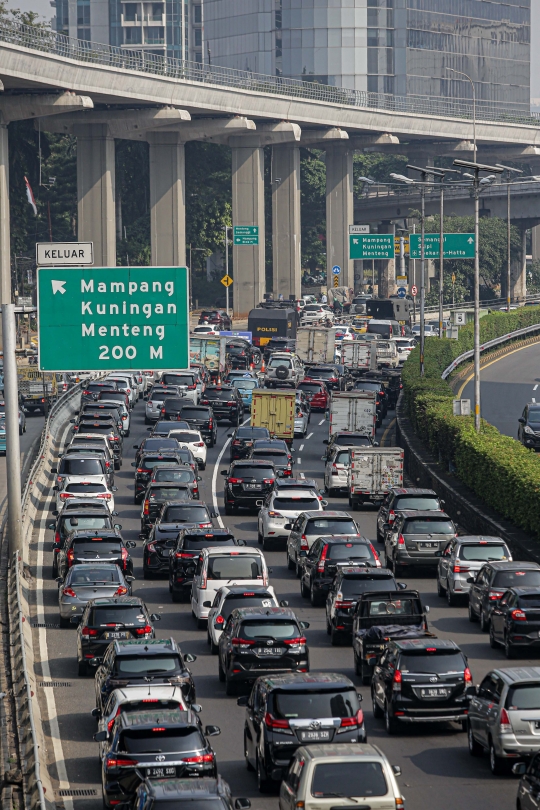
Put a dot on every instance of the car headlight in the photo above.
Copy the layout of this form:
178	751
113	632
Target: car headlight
527	429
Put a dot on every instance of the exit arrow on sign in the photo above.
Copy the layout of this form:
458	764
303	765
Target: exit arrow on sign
58	286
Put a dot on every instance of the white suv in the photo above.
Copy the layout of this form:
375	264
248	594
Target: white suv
230	597
283	369
217	567
281	509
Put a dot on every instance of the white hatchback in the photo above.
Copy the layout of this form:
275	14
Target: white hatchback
215	568
193	440
93	487
281	509
230	597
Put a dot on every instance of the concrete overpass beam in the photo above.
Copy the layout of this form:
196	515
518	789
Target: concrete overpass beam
167	199
339	210
287	275
96	191
18	108
248	209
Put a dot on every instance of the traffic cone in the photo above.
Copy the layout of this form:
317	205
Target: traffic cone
263	367
251	366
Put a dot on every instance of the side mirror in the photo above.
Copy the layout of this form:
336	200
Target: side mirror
470	580
242	701
72	421
396	770
149	429
230	435
438	553
54	469
196	707
375	444
442	503
522	421
207	603
131	544
288	526
402	586
96	713
59	580
324	503
386	527
142	537
519	768
118	526
284	603
55	489
51	526
372	662
471	691
242	804
199	478
325	441
426	609
114	514
224	472
114	489
214	514
101	736
212	731
129	579
155	617
304	625
133	464
189	658
54	512
135	446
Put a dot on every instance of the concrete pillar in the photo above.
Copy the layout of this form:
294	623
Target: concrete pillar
5	250
518	272
535	242
286	250
339	210
95	191
358	276
167	199
248	209
387	271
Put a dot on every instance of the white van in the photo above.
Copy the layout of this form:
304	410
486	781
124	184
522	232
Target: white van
216	568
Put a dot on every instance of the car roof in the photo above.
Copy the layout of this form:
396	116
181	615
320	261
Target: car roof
514	675
412	491
517	565
90	512
113	534
233	553
290	483
341	751
250	461
479	538
167	789
410	644
257	590
300	681
531	591
328	513
418	513
154	646
117	600
345	538
264	613
159	691
291	493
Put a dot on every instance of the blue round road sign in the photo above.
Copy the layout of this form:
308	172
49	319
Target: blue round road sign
402	292
336	269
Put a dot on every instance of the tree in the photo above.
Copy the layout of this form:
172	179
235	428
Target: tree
313	203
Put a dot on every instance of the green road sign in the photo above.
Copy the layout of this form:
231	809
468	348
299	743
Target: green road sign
95	319
246	234
456	245
371	246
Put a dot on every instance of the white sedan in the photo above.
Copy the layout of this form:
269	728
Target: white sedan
404	347
281	510
94	487
313	313
209	331
194	441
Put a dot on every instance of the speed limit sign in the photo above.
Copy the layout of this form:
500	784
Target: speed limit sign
414	289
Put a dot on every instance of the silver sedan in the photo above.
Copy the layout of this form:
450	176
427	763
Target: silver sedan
84	582
281	509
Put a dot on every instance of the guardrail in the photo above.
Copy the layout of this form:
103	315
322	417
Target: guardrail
42	39
489	345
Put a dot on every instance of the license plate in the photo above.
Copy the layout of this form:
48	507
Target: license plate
434	692
314	736
428	545
252	486
119	634
157	773
270	651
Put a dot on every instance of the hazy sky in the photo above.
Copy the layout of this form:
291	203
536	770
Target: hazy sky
42	7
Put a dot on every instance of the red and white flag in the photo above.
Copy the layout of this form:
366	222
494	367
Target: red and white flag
30	196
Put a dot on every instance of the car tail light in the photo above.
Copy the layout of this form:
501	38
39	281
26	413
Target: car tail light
146	508
235	480
518	615
299	642
459	568
182	555
342	604
203	580
373	551
304	543
268	480
335	470
142	631
401	540
199	758
199	444
320	564
70	556
237	442
117	762
391	516
352	722
219	620
87	393
275	514
151	547
65	495
467	676
69	592
124	558
210	423
242	643
495	595
106	496
192	387
232	402
57	538
504	721
163	410
141	470
396	681
121	590
272	722
89	632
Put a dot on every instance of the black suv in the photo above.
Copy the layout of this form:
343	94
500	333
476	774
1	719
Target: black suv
242	440
91	390
247	483
410	499
185	556
257	641
172	406
212	794
492	581
421	681
279	344
287	711
158	494
154	444
172	474
320	566
164	428
274	451
98	411
105	619
174	517
515	621
116	441
349	584
138	663
133	741
95	546
75	519
201	418
529	426
241	354
329	375
146	464
226	402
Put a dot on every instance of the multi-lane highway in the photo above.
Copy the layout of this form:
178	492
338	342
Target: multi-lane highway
435	761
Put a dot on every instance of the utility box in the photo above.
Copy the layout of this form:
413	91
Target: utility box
461	407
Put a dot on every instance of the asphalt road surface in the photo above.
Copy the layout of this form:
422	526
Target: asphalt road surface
34	426
434	759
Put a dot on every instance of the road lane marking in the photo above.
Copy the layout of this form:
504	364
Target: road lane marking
487	365
322	421
533	399
298	460
311	434
214	476
535	387
388	429
301	448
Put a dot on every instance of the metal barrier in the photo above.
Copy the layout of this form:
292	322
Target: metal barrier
489	345
42	39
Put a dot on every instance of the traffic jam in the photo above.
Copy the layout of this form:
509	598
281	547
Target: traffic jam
254	508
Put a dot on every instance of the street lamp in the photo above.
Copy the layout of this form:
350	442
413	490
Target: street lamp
478	184
460	73
508	170
191	249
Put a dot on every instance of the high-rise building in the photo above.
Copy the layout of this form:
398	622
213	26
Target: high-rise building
386	46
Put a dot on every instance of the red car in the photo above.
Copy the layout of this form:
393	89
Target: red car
317	393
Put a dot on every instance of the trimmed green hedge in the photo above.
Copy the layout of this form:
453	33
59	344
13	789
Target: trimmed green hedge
497	468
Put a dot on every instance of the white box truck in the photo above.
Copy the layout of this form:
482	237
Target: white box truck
359	356
315	345
354	411
373	471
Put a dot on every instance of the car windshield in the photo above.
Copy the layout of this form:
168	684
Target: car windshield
245	385
355	778
256	472
87	451
195	413
439	661
239	566
393	607
349	551
353	441
274	362
483	552
117	614
81	466
95	427
175	476
417	503
168	493
113	395
312	704
244	601
155	461
518	579
161	741
95	387
164	428
147	665
530	600
296	503
342	457
366	386
88	574
221	394
325	373
185	436
310	388
160	444
82	522
312	308
428	526
523	697
97	545
327	526
353	586
185	514
84	488
261	629
202	541
267	453
252	433
534	416
178	379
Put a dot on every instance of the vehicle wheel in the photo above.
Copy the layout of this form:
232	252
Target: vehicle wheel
492	640
221	674
201	624
498	765
170	586
475	749
82	669
262	782
290	563
389	722
365	674
146	574
304	591
249	766
357	664
176	597
147	421
378	713
214	648
440	590
64	622
331	492
260	539
202	467
399	570
335	637
266	544
297	570
389	563
230	687
20	430
229	510
484	623
451	598
315	598
472	615
328	626
508	648
380	538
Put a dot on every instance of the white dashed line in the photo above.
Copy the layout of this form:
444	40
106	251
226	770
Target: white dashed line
533	399
298	460
311	434
535	387
322	421
301	448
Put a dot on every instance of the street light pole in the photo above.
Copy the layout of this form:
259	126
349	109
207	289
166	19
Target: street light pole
508	170
460	73
226	228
